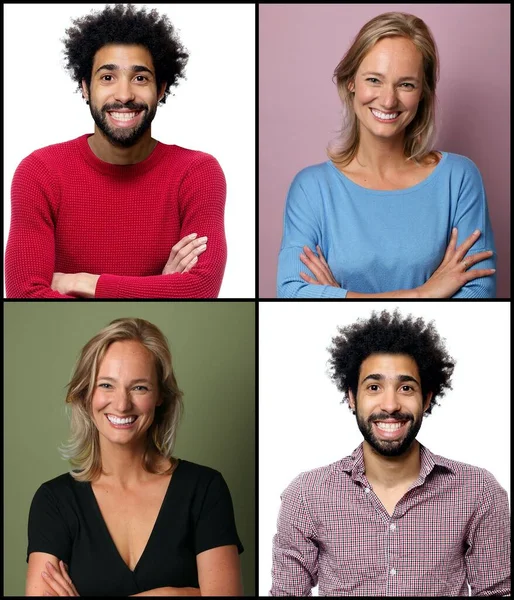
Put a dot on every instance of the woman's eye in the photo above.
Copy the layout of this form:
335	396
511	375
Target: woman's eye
104	385
141	387
373	79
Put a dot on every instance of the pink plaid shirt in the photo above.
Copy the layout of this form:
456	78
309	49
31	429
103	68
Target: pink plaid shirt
451	528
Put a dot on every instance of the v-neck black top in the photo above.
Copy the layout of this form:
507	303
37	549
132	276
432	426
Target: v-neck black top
196	515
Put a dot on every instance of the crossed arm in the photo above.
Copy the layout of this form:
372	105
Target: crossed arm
451	275
219	574
183	257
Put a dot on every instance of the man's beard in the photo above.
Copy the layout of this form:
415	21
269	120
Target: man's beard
123	137
389	447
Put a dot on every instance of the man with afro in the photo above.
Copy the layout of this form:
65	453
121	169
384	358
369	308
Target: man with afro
392	519
118	214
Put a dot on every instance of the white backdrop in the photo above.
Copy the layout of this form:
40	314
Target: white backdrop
303	425
213	110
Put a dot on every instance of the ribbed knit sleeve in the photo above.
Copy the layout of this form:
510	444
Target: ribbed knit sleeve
30	252
72	213
300	229
202	196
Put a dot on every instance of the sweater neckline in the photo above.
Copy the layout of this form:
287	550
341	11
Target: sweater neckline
119	170
408	190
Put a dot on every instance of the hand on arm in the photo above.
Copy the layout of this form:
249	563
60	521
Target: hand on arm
81	285
58	580
184	254
452	274
37	584
318	266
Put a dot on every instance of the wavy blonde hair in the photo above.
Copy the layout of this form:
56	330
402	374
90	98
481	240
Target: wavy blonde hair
83	446
420	133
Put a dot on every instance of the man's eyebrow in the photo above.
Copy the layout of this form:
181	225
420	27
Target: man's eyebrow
383	76
134	68
399	378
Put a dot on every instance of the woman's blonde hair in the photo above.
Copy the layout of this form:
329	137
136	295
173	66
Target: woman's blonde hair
420	133
83	446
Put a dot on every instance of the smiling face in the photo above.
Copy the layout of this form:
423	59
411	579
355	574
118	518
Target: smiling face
389	79
123	96
126	393
389	405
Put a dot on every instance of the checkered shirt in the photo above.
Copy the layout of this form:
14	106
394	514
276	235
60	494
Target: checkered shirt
451	528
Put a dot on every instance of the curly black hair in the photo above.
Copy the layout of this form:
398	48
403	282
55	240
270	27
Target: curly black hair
391	334
123	25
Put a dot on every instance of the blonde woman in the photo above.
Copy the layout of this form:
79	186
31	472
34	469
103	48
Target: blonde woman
388	216
130	520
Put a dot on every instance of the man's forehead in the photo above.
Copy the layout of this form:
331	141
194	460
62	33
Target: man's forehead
390	366
123	55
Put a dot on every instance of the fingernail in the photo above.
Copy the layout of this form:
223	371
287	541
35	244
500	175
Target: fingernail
195	259
202	239
476	231
202	247
44	573
454	230
192	236
493	270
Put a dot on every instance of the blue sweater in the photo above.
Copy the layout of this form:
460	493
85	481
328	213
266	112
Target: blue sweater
381	241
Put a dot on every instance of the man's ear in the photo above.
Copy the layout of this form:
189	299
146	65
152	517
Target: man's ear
85	91
351	400
427	401
160	95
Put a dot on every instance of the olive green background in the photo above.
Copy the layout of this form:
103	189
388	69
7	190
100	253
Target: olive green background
213	350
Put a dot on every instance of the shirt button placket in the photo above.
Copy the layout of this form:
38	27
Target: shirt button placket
392	544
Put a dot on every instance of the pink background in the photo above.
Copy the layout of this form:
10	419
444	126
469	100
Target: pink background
300	111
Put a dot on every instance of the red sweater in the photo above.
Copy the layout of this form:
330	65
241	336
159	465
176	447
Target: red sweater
74	213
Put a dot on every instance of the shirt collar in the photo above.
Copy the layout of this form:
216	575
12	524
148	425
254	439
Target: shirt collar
354	464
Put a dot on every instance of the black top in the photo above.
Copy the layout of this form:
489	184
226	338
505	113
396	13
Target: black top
196	515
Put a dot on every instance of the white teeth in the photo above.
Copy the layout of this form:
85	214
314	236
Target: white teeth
123	116
117	421
384	116
389	426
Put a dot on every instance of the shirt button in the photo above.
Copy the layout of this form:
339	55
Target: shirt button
392	527
367	490
393	571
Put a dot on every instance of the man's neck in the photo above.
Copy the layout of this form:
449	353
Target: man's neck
103	149
390	472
